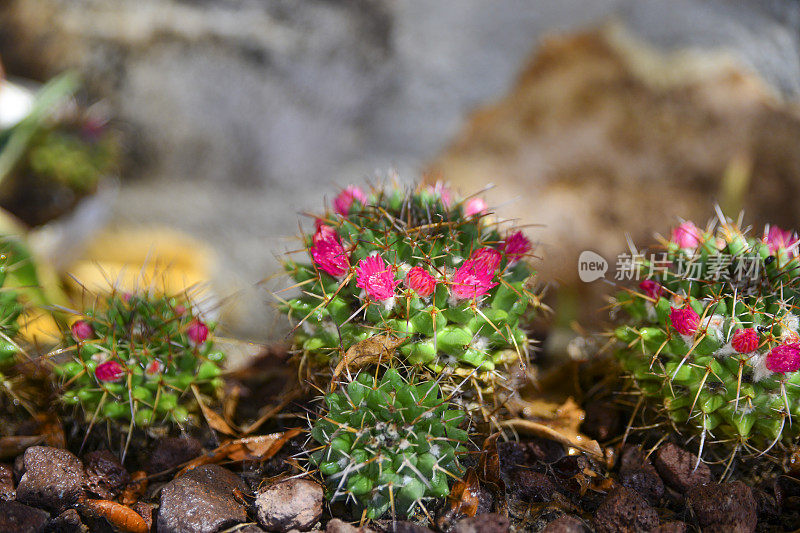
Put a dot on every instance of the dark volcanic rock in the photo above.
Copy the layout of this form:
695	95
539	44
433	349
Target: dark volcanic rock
105	475
566	524
674	526
290	504
19	518
340	526
532	486
645	482
400	526
146	511
624	511
53	478
67	522
677	468
201	501
724	507
171	452
7	491
484	523
601	422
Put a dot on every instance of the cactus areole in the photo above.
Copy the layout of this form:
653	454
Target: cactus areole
134	359
417	265
710	336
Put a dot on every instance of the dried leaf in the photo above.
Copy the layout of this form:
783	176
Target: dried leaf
563	435
258	448
378	348
490	470
134	490
215	421
122	518
464	497
51	429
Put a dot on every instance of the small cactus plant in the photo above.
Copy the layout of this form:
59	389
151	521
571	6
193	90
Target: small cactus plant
420	267
136	357
711	339
387	444
10	310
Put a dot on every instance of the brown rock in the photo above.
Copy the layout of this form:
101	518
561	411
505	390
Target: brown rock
340	526
725	507
105	475
201	501
624	511
290	504
677	468
19	518
484	523
67	522
146	511
171	452
53	478
7	491
532	486
566	524
675	526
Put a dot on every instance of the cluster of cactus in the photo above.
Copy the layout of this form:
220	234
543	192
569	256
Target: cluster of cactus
420	267
10	310
387	443
136	357
711	335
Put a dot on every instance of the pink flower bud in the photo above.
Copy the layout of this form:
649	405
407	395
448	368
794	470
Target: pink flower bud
745	340
651	288
179	310
784	358
82	330
197	332
419	281
475	206
516	246
687	235
443	192
154	368
328	253
109	371
777	239
685	320
344	201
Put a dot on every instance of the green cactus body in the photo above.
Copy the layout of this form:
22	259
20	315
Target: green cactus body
135	359
387	444
10	310
711	336
417	267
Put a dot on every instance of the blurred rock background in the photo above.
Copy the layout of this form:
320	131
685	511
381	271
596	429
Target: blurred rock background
242	113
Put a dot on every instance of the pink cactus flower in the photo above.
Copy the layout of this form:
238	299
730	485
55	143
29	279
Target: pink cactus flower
344	201
685	320
419	281
784	358
109	371
687	235
475	206
777	238
155	368
82	330
443	192
474	277
328	253
652	288
376	278
516	246
197	332
179	310
745	340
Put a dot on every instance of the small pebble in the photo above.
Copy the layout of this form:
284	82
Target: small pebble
290	504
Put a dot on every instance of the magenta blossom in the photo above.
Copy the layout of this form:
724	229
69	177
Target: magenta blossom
197	332
474	277
344	201
777	238
419	281
475	206
784	358
516	246
328	253
745	340
109	371
82	330
687	235
376	278
685	320
652	288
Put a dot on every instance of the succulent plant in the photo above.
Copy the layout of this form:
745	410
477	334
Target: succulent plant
387	444
420	267
135	358
710	337
10	310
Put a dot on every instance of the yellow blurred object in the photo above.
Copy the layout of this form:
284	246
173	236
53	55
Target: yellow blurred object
161	260
38	327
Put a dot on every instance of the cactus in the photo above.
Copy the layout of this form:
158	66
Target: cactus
420	267
387	444
10	310
710	337
135	359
